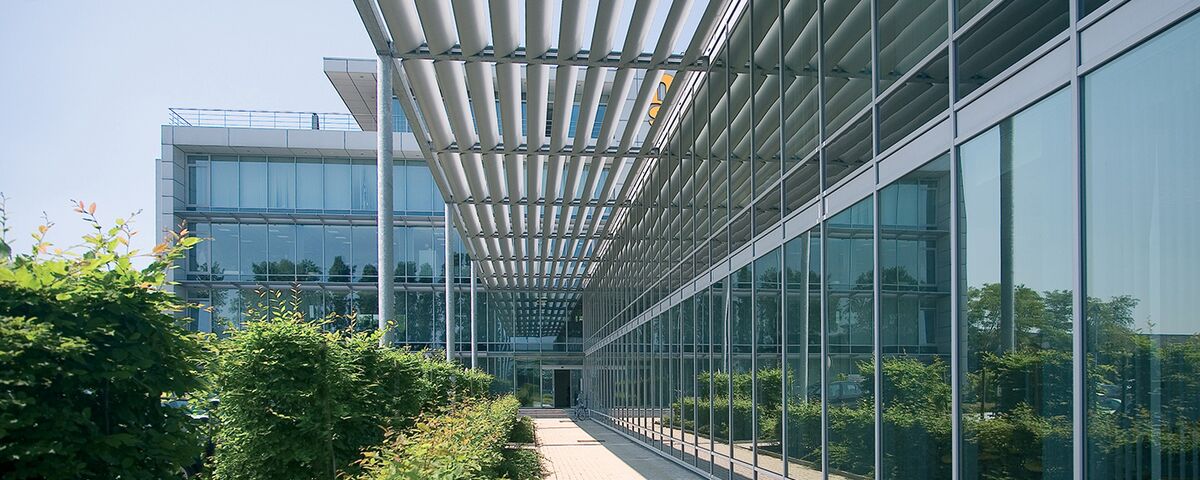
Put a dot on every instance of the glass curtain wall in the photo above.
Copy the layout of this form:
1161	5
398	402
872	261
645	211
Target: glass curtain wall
1004	275
1143	342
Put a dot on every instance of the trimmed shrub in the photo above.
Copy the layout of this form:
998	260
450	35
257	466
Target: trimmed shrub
523	431
464	443
88	357
449	383
299	401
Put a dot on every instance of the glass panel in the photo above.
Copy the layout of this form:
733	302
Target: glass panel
802	271
720	367
363	185
366	254
1089	6
308	252
1017	282
200	256
848	152
309	183
914	258
847	33
741	330
226	238
281	240
253	186
909	30
1143	343
768	373
849	331
281	191
337	253
421	321
224	181
800	98
420	187
227	309
253	247
1008	34
337	184
919	100
199	186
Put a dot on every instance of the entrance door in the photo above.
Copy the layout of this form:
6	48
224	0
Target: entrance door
562	388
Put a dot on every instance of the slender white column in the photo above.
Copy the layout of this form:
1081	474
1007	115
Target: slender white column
474	344
387	267
449	292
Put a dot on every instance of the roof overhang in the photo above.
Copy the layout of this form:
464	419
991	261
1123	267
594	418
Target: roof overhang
537	189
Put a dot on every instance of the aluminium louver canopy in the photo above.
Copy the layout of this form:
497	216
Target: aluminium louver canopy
533	116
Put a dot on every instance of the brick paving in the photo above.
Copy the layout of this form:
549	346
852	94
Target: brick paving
588	451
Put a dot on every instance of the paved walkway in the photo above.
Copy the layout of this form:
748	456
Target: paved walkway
589	451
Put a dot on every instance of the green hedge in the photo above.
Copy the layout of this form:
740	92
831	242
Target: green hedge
88	355
300	402
464	443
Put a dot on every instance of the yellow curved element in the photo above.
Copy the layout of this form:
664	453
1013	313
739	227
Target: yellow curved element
660	93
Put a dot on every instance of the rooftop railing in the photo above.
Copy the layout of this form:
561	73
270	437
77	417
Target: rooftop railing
211	117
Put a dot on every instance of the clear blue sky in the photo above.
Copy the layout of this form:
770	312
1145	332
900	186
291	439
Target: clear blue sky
86	85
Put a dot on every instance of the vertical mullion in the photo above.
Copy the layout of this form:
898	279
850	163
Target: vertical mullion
822	216
877	337
1078	305
955	288
783	284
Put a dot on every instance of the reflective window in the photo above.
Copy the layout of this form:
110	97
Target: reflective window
337	253
363	186
225	241
1017	283
309	183
253	264
198	180
366	254
419	187
224	181
309	241
200	256
1005	36
847	70
281	244
253	185
914	264
768	348
337	184
1140	143
849	331
281	175
802	272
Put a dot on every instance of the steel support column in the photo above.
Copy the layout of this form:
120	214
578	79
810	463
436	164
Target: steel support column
383	165
449	290
474	339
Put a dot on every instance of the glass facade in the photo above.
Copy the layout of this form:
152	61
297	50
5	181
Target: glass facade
225	183
936	282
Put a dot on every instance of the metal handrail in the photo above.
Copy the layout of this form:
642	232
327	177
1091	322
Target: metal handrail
214	117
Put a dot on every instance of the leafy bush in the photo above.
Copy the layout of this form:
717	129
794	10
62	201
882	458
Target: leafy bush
299	401
87	356
523	431
521	464
466	442
449	383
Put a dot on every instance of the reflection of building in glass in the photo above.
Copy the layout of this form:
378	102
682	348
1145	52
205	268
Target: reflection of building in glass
926	239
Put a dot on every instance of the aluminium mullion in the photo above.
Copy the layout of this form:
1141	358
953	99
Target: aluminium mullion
1078	303
822	220
783	325
876	320
955	287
